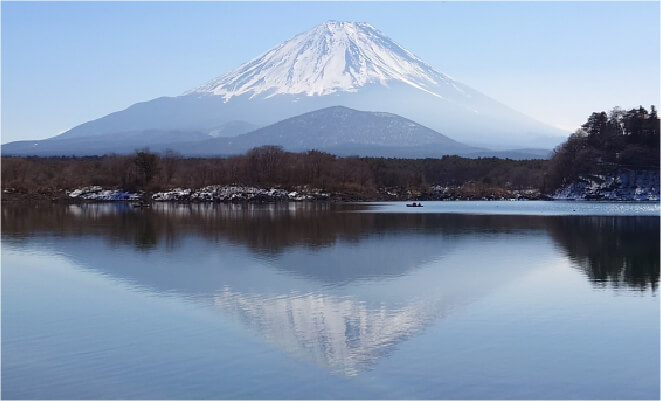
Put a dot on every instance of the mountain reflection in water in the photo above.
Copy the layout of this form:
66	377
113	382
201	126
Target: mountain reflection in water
323	283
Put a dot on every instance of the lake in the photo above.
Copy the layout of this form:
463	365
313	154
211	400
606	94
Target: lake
454	300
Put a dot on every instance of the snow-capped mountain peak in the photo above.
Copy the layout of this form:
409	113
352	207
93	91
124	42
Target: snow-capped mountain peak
350	64
332	56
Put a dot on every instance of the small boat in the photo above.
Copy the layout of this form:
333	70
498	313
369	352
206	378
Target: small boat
142	204
414	204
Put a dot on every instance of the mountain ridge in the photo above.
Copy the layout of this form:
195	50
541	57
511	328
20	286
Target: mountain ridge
334	63
343	131
340	126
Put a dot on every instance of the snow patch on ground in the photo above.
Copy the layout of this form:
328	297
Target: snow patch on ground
624	185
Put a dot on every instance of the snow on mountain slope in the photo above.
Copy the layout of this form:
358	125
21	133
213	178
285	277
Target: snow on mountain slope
333	64
333	56
355	65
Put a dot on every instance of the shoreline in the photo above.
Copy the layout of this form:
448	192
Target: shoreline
16	200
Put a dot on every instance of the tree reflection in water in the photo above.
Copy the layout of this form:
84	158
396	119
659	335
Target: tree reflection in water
611	251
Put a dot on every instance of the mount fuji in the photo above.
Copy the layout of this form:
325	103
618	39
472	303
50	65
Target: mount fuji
347	64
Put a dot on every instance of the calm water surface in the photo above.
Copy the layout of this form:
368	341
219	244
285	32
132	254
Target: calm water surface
458	300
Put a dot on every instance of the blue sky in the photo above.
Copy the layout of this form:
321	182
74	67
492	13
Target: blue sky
66	63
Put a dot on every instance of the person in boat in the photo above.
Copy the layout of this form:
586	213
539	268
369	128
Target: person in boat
414	205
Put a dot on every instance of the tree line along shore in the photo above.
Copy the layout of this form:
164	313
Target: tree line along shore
605	145
343	178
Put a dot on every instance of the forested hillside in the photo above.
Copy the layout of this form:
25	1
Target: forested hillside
606	143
